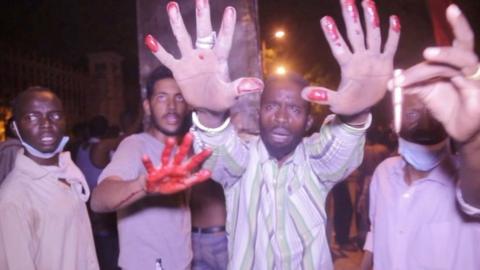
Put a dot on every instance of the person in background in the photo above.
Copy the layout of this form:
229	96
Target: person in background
8	150
154	224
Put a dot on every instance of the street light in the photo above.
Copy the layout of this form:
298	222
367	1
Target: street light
279	34
281	70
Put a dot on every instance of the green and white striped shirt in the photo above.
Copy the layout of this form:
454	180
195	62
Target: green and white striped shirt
276	214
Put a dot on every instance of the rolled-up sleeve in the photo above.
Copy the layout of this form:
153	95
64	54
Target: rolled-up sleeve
230	154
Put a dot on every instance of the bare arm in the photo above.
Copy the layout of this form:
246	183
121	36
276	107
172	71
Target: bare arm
113	193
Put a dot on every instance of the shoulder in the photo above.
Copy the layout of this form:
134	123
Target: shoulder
387	167
14	188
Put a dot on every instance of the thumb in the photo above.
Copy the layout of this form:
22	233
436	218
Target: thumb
246	85
319	95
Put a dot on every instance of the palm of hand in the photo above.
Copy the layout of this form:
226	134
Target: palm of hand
364	80
202	74
173	175
365	68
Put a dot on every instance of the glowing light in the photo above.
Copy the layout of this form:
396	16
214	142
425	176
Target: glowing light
281	70
279	34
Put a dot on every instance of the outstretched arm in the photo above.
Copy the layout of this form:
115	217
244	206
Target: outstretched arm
448	83
365	67
172	176
202	71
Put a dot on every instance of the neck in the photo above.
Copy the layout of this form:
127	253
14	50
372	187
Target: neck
412	174
53	161
160	135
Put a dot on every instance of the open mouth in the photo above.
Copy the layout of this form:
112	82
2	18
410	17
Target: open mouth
280	135
172	118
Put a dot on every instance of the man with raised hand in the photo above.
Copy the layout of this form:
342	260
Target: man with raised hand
44	222
151	203
448	83
276	184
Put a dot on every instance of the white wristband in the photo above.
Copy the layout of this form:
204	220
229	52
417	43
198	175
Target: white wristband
200	126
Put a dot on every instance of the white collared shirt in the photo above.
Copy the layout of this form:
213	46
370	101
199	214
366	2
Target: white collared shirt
420	226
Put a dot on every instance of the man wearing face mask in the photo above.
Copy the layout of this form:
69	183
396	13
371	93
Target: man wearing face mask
416	222
44	222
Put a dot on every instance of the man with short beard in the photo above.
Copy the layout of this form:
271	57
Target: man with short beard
44	222
151	225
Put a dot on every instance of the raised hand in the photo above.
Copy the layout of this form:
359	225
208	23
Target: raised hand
173	175
449	82
202	72
365	68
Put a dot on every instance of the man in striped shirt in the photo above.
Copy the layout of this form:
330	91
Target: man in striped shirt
275	185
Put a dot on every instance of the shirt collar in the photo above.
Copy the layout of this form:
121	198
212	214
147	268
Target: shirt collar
442	174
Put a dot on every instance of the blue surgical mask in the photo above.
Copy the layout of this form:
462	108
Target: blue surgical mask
34	152
423	157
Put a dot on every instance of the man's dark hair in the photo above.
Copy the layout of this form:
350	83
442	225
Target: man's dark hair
161	72
17	102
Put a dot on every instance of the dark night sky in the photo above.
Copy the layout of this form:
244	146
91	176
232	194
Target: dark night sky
68	30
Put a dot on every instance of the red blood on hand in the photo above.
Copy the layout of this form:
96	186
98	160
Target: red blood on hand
174	176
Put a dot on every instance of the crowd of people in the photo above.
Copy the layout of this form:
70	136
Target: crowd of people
191	190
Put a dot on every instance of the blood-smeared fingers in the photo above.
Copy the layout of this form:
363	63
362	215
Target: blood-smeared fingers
464	37
184	148
353	25
223	43
338	46
167	150
200	176
393	38
372	25
204	22
197	159
147	163
184	40
160	53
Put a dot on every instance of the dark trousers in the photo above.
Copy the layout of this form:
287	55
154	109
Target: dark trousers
343	213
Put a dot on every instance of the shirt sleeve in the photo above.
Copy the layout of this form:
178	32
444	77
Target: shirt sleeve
15	239
467	208
230	154
336	150
126	161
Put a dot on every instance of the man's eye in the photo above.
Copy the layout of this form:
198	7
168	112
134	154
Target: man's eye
31	117
160	97
412	115
179	98
56	116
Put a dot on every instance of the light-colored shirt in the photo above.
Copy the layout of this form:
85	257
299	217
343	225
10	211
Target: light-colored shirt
44	223
420	226
276	213
156	226
8	153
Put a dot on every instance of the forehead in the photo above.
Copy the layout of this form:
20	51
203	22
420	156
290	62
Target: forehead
166	86
40	101
283	90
